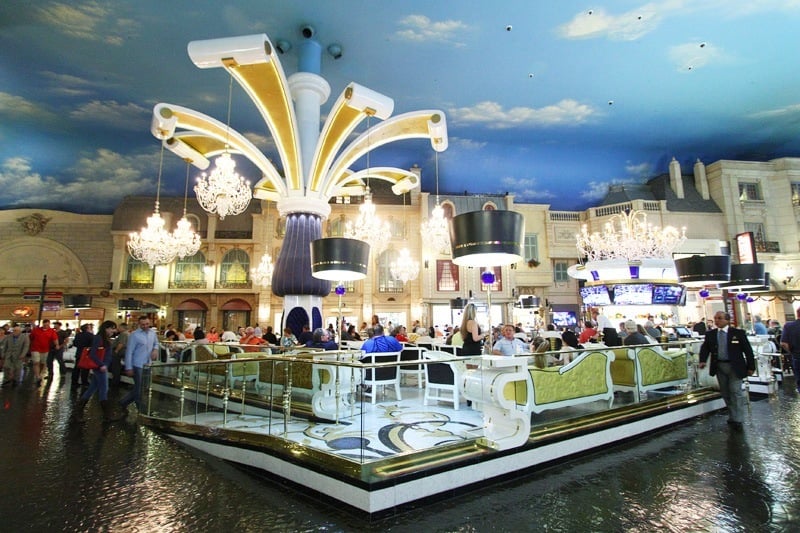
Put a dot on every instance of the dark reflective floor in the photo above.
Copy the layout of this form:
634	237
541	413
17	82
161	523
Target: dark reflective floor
58	475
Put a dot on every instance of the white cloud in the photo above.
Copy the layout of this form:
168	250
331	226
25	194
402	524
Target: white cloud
566	112
13	106
96	183
123	116
525	189
420	28
641	170
623	27
69	85
597	190
466	144
261	141
693	55
89	21
789	110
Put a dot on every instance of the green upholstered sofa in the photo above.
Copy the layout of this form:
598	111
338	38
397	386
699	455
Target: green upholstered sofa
644	368
586	379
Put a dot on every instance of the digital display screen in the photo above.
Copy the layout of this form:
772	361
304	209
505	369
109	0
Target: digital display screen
633	294
667	294
597	295
564	319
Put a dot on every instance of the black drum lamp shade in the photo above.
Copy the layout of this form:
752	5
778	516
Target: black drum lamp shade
702	270
745	276
487	238
339	259
458	303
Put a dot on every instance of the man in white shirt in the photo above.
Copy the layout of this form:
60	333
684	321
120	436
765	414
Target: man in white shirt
508	344
142	348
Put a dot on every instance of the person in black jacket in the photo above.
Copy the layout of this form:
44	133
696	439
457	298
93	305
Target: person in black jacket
732	360
82	340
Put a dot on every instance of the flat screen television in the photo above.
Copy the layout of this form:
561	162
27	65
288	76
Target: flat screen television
595	295
633	294
564	319
668	294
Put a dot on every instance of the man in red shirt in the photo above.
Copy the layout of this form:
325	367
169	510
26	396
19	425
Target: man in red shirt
42	339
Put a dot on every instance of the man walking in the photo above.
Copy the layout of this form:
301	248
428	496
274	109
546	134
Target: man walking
43	338
790	341
14	347
141	349
732	361
57	352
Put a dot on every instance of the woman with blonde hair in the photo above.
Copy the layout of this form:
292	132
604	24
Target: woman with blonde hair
471	332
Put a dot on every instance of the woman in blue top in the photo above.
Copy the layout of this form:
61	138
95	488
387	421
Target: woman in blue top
99	382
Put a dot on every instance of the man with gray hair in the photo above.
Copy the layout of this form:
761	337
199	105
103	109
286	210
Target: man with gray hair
321	339
14	348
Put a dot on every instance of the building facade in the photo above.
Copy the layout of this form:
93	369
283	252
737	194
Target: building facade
87	254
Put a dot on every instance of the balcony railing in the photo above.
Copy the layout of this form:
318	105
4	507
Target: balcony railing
128	284
233	285
768	247
187	285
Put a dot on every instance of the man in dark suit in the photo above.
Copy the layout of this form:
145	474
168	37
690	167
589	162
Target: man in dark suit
732	360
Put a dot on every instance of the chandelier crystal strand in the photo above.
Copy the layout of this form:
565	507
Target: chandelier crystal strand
628	236
404	268
223	191
153	245
262	274
436	230
368	227
187	241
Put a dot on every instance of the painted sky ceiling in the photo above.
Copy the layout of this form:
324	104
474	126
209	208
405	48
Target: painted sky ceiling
550	102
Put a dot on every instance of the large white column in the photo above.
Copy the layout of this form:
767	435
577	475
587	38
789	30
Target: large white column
309	92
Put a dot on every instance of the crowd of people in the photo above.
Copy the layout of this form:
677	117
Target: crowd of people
116	351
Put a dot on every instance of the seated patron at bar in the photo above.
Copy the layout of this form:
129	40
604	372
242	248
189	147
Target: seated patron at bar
321	339
380	342
508	344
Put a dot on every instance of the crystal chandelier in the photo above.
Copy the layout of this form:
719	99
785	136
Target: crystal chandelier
223	191
153	245
404	268
436	230
262	274
187	241
368	227
628	236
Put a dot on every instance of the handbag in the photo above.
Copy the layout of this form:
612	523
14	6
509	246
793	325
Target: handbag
85	361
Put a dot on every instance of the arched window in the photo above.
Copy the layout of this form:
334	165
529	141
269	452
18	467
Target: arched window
449	210
396	228
190	272
489	206
138	275
234	273
336	227
385	281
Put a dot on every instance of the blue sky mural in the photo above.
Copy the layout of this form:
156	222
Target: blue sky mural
552	101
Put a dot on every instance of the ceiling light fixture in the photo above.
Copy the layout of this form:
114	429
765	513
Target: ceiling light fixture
223	191
368	227
153	245
262	274
404	268
436	230
627	248
187	241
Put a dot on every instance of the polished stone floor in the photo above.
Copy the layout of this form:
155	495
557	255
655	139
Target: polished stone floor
60	475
